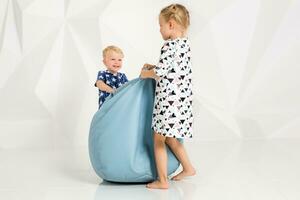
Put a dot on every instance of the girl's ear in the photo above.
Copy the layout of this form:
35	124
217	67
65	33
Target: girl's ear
171	23
104	62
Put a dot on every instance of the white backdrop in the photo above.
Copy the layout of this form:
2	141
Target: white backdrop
245	65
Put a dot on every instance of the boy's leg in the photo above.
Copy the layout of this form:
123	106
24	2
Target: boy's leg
179	151
161	159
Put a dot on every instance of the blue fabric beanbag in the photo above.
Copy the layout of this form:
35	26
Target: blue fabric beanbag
121	137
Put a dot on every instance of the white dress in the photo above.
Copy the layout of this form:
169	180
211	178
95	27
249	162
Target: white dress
172	111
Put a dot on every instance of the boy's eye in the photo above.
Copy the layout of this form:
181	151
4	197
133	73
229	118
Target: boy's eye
120	59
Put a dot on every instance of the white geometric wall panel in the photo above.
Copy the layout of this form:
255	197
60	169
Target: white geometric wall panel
246	65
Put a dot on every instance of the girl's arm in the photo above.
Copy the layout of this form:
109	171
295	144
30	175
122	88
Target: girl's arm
149	74
104	87
164	64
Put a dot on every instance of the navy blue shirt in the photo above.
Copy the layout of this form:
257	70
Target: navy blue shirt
114	81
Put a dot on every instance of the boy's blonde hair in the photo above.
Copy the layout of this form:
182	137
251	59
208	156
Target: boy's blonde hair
112	48
177	12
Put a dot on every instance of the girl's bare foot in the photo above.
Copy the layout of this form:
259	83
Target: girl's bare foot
184	173
158	185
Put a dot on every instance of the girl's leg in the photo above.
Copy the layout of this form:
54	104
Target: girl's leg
161	159
179	151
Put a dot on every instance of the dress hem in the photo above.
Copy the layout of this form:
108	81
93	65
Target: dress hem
161	133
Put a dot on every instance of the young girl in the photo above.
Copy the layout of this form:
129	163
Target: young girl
172	112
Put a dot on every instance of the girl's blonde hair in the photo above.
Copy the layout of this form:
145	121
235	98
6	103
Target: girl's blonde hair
112	48
177	12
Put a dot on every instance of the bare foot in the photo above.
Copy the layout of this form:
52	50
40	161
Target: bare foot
158	185
184	173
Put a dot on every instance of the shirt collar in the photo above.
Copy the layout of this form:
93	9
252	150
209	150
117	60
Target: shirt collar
112	73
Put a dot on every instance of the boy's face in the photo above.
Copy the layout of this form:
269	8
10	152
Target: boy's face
113	61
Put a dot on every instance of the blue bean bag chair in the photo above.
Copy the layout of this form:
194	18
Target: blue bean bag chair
121	137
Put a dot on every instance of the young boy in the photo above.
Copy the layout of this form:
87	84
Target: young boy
110	79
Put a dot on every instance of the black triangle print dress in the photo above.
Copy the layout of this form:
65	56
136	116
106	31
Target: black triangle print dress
172	111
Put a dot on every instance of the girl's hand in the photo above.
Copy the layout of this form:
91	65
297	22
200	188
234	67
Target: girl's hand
144	74
148	66
149	74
